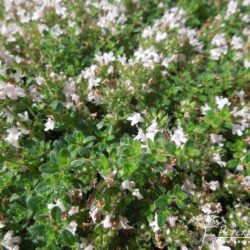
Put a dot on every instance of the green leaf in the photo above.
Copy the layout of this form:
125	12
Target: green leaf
49	168
178	193
182	161
63	157
170	147
77	163
247	158
84	152
161	158
137	147
162	217
42	187
11	165
181	196
88	139
37	230
232	164
177	190
180	204
68	237
56	213
103	165
129	168
33	202
162	201
78	136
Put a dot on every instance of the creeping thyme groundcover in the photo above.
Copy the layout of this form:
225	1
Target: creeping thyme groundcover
124	124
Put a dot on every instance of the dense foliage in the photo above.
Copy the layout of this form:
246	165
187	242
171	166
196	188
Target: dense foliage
124	124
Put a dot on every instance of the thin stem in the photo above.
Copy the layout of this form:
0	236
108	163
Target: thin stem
204	236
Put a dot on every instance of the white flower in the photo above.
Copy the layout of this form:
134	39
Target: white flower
160	36
73	210
179	137
216	53
95	213
242	122
206	208
24	117
244	112
217	139
50	124
127	185
17	76
231	8
172	220
169	168
130	185
107	222
2	225
141	136
148	57
36	96
238	129
221	102
245	18
247	64
246	181
89	247
135	118
152	130
89	73
237	43
246	2
154	224
11	242
2	91
148	32
110	69
240	94
189	185
213	185
165	62
56	30
219	40
13	92
70	91
122	59
57	204
218	207
94	97
41	27
217	159
85	245
72	227
123	223
13	136
40	80
93	82
137	194
105	58
205	109
111	15
218	244
240	168
220	44
173	18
